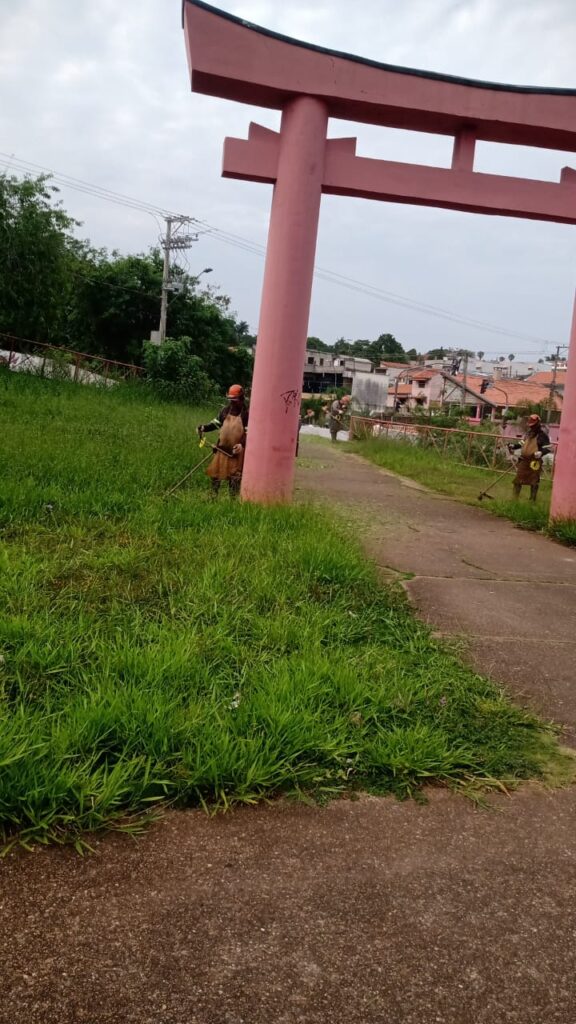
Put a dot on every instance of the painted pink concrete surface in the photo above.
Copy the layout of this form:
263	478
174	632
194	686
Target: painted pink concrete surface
231	59
346	174
563	505
277	383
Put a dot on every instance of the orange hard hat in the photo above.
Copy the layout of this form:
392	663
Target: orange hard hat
235	391
534	418
346	398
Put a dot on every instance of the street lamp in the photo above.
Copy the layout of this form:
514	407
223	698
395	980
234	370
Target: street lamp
207	270
180	287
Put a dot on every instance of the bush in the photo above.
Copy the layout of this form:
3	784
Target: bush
176	374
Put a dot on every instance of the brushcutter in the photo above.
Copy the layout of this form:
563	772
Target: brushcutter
485	494
213	448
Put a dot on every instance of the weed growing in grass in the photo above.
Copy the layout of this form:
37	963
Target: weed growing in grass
527	514
205	653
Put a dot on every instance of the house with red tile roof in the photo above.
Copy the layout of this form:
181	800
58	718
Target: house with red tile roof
424	388
514	394
547	377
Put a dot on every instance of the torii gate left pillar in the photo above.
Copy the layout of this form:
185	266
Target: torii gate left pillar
232	59
284	312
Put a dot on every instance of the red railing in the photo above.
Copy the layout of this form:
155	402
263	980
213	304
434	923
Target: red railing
17	353
472	447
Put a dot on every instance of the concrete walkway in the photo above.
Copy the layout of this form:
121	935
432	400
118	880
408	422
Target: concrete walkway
361	912
508	593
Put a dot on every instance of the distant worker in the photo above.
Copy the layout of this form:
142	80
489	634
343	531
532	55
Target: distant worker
305	421
338	410
232	422
535	445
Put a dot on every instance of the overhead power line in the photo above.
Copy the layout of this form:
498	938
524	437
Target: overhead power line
256	249
379	293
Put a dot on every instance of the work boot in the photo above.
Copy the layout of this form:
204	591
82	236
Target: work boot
533	492
516	488
215	488
234	486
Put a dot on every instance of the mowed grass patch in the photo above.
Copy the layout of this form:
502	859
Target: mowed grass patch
205	653
465	483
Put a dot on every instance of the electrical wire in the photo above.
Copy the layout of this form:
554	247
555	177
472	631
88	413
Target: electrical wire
254	248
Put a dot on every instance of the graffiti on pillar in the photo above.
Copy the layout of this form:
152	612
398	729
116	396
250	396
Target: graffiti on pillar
290	399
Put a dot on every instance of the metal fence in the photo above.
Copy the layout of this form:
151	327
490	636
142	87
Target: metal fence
26	356
471	447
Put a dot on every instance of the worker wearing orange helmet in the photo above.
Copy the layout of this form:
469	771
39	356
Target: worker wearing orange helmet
535	445
232	422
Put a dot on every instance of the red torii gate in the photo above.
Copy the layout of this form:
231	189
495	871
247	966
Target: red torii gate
233	59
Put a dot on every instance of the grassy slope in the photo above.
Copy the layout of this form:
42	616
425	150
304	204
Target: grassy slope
203	652
465	483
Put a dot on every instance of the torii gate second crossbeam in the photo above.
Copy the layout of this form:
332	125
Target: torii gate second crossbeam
236	60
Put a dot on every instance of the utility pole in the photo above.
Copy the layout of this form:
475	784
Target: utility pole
553	385
171	241
464	380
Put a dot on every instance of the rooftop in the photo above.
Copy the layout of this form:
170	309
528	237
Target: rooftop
547	377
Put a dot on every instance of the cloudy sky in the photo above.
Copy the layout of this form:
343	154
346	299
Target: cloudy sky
99	90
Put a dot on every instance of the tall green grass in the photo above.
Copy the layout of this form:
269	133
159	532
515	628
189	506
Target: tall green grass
206	653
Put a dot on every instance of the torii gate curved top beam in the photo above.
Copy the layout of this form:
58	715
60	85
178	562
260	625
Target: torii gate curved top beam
235	60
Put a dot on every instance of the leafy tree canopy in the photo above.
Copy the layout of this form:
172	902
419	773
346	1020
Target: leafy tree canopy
60	290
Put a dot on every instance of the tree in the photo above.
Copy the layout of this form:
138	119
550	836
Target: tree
58	289
317	345
437	353
176	373
390	347
116	304
37	255
342	347
511	358
480	355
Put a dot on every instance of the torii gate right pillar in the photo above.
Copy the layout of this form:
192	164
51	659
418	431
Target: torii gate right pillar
563	504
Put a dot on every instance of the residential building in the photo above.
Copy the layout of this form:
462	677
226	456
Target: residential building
496	368
507	395
418	387
326	371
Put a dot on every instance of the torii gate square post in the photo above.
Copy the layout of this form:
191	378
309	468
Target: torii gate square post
234	60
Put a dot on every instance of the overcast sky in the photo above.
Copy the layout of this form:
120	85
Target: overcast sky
99	89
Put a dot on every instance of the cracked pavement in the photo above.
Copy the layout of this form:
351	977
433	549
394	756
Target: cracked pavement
509	594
